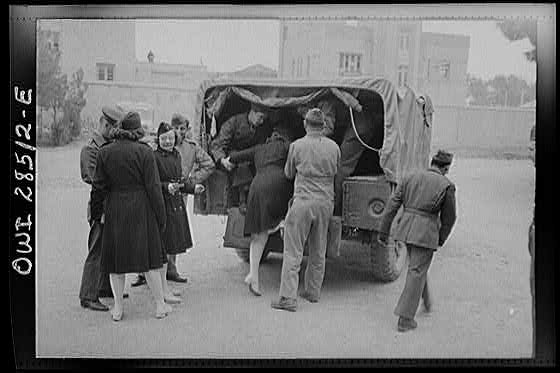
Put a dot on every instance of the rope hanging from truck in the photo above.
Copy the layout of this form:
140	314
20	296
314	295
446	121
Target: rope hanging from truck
358	136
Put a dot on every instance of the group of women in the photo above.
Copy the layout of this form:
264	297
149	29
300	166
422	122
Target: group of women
137	194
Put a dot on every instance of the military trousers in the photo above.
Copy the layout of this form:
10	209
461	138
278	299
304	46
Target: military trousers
415	287
93	280
307	221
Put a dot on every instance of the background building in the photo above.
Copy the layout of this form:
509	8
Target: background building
443	67
106	51
398	51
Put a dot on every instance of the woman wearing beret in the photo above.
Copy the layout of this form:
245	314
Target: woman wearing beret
269	194
126	197
176	236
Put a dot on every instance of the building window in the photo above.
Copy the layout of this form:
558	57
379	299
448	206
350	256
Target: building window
350	63
105	71
444	69
293	67
308	64
402	75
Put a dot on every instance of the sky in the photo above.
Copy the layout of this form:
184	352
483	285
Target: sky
490	52
229	45
221	45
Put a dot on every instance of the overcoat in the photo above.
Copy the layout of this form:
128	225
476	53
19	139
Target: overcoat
428	200
127	180
177	235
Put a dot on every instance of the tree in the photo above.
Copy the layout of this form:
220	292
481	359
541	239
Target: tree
478	90
501	90
520	29
74	102
51	84
55	93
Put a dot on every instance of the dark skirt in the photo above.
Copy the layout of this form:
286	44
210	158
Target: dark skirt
131	237
177	235
268	199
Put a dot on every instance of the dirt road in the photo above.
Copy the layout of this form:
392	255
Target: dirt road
480	283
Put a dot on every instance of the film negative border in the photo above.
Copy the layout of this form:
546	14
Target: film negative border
22	231
23	172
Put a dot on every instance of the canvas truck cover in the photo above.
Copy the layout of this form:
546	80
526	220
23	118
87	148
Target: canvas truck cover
406	127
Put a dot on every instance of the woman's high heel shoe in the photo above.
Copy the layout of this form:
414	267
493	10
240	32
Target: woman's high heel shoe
253	291
163	312
116	316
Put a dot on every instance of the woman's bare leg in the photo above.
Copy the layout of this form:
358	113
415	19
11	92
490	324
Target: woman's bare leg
153	278
256	248
167	293
117	286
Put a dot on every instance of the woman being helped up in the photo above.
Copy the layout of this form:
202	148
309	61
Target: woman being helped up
177	236
269	194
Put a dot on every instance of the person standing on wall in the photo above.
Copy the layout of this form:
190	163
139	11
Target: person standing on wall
428	199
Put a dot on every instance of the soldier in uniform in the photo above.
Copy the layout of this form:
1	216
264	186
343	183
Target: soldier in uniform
313	161
94	283
350	152
240	132
197	166
428	199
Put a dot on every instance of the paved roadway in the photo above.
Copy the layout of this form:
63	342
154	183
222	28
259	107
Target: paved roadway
480	283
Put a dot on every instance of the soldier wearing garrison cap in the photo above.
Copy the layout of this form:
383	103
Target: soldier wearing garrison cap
94	283
428	200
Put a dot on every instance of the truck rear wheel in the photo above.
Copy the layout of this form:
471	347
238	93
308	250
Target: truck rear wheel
364	253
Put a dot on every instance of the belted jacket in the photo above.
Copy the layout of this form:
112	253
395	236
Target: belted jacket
429	212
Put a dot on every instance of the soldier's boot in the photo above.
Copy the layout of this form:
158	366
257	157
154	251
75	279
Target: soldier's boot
334	237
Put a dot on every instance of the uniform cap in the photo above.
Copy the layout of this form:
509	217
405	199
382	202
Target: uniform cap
131	121
178	119
443	157
112	114
315	117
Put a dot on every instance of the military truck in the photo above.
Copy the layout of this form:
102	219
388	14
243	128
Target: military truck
393	127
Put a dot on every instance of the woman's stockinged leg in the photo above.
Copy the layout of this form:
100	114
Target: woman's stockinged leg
153	278
256	248
117	286
167	293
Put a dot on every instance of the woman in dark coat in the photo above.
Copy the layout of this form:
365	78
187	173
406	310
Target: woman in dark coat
177	235
269	194
126	195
